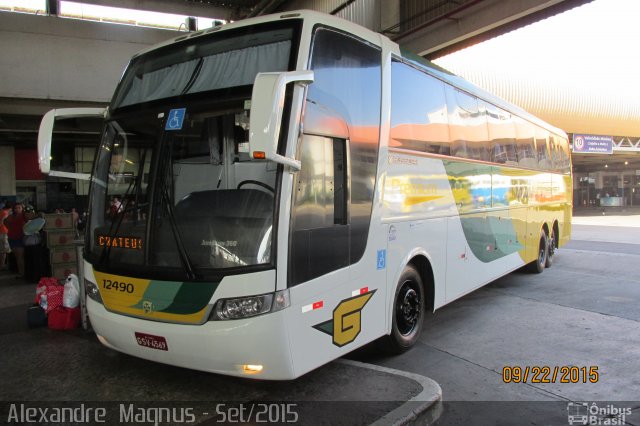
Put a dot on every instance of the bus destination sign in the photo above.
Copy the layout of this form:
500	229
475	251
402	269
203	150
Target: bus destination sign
120	242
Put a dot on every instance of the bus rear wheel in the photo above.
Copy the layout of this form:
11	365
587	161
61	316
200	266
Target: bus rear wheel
538	265
553	243
408	312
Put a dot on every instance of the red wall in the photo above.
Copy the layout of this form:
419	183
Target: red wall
27	165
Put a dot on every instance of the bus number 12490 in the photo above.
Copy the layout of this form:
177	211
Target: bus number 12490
117	286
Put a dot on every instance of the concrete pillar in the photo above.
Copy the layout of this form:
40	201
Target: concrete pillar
53	7
191	24
7	171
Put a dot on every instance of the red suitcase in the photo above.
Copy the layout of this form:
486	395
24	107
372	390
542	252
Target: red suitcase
62	318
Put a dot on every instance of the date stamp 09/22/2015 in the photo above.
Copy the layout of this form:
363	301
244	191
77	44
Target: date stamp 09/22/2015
550	374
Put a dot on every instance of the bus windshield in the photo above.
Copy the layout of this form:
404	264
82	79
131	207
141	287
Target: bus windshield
173	188
190	194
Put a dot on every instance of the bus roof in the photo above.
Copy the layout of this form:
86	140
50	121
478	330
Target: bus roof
306	15
376	39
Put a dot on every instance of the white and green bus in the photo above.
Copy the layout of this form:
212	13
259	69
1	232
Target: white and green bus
272	194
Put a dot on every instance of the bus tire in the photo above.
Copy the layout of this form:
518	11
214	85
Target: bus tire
552	247
408	312
538	265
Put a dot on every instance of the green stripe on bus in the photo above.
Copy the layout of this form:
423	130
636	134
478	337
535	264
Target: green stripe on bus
191	298
160	293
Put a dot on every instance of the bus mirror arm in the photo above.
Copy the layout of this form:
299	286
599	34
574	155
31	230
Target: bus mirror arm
291	162
45	134
267	106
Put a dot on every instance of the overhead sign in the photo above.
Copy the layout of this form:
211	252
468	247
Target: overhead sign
592	144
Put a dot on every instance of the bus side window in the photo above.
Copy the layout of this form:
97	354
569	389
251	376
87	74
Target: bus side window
467	126
566	162
501	132
340	188
524	143
554	150
560	154
418	111
544	159
313	191
319	215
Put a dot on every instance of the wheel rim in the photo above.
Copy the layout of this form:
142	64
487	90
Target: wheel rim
542	253
552	244
407	308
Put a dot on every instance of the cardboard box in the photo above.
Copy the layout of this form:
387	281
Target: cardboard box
57	221
62	254
60	238
62	270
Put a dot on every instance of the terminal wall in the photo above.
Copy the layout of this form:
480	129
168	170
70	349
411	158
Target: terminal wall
47	57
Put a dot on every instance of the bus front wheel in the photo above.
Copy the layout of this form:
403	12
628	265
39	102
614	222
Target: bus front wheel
408	312
538	265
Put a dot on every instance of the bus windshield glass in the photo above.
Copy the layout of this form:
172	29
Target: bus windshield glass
173	187
187	199
204	64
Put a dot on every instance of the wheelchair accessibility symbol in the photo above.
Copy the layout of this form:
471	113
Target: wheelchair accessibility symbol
382	259
175	120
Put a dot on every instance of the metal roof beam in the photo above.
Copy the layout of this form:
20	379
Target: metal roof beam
476	21
188	8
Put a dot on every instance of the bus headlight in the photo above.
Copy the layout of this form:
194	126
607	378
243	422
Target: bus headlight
92	291
250	306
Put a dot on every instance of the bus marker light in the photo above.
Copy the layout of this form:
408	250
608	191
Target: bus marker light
313	306
363	290
259	155
251	369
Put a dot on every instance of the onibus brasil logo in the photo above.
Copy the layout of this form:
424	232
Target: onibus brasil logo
345	325
582	413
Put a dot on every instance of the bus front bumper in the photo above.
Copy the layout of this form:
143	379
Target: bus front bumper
255	348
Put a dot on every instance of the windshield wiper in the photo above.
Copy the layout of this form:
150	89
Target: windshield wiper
184	256
117	221
165	165
136	185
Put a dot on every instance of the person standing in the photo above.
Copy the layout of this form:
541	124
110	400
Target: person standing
76	217
14	224
4	239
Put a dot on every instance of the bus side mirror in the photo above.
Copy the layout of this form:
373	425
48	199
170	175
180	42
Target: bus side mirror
45	135
267	105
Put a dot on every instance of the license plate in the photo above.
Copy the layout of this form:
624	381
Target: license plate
151	341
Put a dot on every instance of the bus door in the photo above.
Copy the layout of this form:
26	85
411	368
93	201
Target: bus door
337	293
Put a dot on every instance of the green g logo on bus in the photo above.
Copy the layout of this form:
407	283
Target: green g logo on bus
347	319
